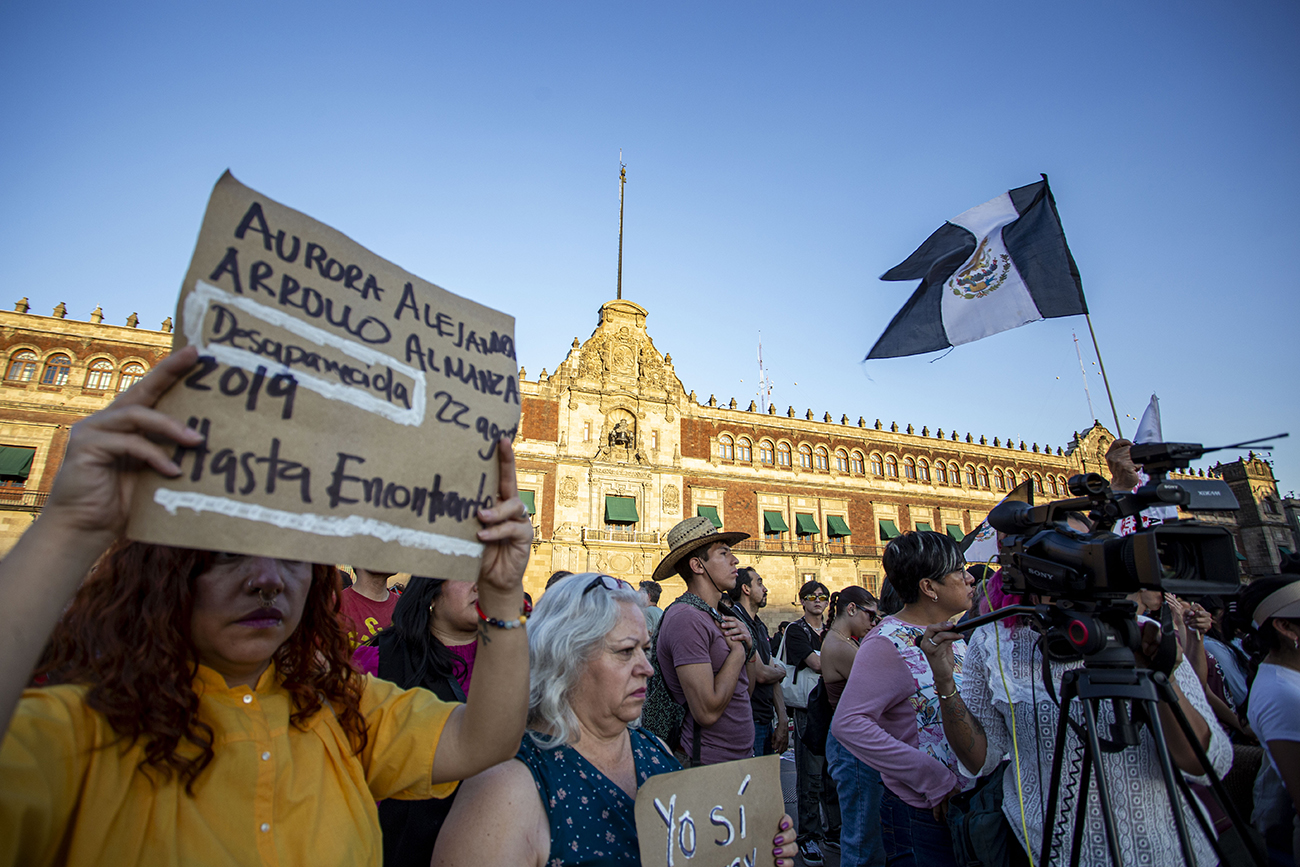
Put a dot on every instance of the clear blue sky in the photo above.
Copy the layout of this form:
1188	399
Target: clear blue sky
781	156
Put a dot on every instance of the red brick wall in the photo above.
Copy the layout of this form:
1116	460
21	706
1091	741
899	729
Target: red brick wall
695	438
540	419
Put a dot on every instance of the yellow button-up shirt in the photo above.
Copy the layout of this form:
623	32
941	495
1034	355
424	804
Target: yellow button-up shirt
70	793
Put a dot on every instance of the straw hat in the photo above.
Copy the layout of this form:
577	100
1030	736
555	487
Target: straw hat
689	536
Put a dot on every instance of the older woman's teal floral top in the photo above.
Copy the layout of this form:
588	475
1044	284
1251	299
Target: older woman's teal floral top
592	820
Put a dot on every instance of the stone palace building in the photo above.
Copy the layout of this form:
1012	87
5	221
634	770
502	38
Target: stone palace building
613	450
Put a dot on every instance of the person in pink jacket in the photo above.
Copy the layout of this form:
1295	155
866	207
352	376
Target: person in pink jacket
888	717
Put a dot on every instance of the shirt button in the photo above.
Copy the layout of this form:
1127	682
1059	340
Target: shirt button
265	827
248	699
266	756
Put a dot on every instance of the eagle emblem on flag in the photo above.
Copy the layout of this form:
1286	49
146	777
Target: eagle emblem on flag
988	269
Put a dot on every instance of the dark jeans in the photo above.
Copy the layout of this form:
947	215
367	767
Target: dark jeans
860	789
813	796
912	836
762	739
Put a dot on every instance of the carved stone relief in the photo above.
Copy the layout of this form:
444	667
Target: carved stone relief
569	491
672	500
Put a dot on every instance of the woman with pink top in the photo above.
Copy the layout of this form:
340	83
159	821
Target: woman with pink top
888	715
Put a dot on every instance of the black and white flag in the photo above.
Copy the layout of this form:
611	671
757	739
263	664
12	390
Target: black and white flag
998	266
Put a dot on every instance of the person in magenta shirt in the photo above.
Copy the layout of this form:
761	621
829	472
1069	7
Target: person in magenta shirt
366	607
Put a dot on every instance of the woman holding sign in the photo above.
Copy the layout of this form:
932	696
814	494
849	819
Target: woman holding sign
200	708
569	795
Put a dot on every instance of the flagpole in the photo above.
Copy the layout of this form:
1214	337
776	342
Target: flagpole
622	179
1104	379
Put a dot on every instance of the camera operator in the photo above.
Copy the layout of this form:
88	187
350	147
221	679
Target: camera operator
1001	687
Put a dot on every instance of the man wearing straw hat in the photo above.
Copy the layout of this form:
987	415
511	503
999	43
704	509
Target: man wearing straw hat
700	651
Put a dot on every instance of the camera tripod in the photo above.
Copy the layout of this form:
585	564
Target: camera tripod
1106	634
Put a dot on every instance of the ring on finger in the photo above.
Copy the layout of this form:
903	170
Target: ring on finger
932	641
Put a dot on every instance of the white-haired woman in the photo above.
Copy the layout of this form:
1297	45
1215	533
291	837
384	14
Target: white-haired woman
568	796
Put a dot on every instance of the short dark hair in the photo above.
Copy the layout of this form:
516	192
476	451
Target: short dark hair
811	587
744	577
556	576
912	557
652	591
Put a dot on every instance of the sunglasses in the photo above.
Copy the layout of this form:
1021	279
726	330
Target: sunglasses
817	597
608	582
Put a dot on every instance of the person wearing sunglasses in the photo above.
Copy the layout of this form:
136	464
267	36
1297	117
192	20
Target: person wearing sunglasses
569	794
801	650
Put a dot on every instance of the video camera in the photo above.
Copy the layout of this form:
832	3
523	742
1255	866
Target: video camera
1042	554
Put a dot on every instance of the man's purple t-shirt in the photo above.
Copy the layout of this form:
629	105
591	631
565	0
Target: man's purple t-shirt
688	636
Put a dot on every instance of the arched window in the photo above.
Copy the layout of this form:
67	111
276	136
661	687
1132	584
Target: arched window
970	476
954	475
999	480
941	473
805	457
131	374
909	469
57	368
744	450
983	477
22	367
101	375
766	453
1051	486
891	467
877	466
855	464
1038	484
841	461
923	470
783	454
823	459
1064	487
725	449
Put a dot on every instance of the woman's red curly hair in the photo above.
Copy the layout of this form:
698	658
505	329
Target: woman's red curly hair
126	636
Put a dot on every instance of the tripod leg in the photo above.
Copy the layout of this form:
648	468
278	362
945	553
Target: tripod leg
1170	698
1103	791
1054	786
1167	770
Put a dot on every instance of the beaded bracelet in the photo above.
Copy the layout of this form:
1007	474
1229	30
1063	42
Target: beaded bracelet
506	624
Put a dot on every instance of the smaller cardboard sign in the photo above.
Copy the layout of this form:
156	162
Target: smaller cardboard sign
712	816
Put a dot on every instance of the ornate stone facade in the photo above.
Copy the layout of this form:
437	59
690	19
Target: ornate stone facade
615	451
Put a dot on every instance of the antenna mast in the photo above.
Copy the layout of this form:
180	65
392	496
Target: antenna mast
622	179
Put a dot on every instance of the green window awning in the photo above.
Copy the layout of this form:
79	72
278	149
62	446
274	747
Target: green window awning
924	527
530	500
836	527
955	532
1241	556
710	512
774	523
806	525
1284	551
889	530
621	510
15	463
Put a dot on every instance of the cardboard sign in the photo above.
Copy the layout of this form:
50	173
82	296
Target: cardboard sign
351	410
712	816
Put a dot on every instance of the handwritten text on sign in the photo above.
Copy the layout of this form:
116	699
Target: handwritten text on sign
712	816
350	410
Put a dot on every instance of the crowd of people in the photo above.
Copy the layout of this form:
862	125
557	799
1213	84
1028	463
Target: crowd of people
165	705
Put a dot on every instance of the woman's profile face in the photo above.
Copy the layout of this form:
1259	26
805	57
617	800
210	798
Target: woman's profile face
244	609
453	610
612	686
